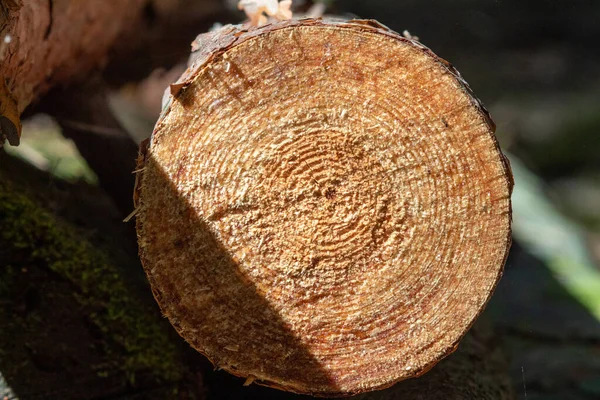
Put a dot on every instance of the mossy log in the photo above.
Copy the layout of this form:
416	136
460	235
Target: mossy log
323	207
76	320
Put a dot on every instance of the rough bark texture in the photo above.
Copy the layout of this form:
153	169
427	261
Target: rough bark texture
48	43
323	206
52	42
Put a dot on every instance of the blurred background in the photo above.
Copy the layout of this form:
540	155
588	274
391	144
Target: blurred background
536	66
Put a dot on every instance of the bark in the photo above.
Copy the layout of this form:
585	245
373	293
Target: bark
323	206
44	43
53	42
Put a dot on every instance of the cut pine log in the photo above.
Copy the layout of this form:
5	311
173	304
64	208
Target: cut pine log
44	44
323	206
47	43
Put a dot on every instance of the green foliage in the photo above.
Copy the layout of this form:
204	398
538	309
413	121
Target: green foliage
554	239
43	146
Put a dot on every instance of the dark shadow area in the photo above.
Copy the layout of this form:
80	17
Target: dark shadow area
551	340
85	117
77	320
500	46
164	44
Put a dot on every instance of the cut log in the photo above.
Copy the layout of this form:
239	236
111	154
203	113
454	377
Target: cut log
477	370
323	206
45	43
49	43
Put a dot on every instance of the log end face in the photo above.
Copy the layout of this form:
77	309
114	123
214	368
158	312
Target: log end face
324	208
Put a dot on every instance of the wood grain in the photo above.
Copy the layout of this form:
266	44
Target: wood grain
323	207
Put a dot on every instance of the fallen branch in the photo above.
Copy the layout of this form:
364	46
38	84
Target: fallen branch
44	44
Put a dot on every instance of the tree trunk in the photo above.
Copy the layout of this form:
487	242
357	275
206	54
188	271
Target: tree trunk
323	206
45	43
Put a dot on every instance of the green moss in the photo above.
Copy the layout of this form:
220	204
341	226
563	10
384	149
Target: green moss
136	338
